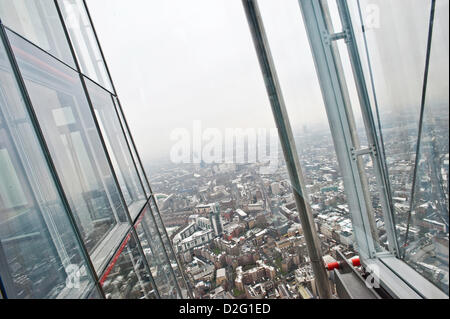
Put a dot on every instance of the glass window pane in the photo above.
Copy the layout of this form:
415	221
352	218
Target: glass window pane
154	252
126	276
118	150
133	150
427	244
397	34
38	21
167	243
39	252
396	44
68	126
314	140
84	42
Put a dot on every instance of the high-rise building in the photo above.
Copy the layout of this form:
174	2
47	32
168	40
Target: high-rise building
77	215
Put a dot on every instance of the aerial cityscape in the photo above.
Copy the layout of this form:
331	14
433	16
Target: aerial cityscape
238	234
249	150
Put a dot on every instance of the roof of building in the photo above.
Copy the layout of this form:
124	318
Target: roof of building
221	273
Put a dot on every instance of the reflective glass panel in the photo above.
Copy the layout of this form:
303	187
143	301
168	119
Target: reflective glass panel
168	244
300	86
126	276
38	21
84	41
372	195
70	132
118	149
156	257
394	47
396	35
427	244
40	256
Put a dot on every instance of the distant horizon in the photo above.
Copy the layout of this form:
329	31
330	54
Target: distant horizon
170	70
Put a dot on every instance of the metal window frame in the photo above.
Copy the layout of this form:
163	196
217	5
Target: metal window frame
286	136
91	107
133	151
119	189
391	260
124	132
378	158
107	156
45	231
330	79
141	215
99	46
126	127
82	77
164	248
119	106
145	180
52	168
79	60
85	85
171	250
131	232
395	275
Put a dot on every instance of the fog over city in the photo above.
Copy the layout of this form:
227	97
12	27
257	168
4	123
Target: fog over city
140	158
179	61
175	62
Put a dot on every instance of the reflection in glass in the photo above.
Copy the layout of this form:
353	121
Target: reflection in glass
396	46
84	41
38	247
427	247
301	92
167	244
396	51
117	148
126	276
37	21
154	252
69	129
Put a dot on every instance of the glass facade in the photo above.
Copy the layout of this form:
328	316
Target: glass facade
429	206
78	218
71	181
412	107
169	250
38	22
37	242
158	261
64	115
85	42
118	149
140	169
127	276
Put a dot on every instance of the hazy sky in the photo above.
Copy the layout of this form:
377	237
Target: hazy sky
177	61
